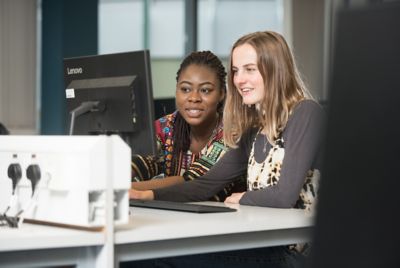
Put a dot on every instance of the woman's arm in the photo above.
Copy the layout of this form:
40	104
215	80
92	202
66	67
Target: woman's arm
302	142
227	169
157	183
144	167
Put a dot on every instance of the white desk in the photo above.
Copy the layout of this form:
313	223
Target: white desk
154	233
37	246
160	233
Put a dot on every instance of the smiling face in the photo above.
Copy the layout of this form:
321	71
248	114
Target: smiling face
197	95
246	75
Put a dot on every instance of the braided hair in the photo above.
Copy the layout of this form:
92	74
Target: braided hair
182	128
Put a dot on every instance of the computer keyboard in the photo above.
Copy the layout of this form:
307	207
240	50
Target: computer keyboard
177	206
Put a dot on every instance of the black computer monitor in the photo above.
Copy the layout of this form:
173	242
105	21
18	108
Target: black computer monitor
112	94
357	223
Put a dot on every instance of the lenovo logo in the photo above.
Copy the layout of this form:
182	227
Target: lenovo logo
74	70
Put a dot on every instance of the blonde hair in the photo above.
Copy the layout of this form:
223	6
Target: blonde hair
283	86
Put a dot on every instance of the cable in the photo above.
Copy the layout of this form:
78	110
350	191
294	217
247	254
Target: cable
33	173
14	172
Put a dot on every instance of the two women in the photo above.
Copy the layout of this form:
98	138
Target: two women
275	131
273	126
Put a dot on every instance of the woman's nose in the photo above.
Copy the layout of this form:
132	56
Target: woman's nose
239	78
194	96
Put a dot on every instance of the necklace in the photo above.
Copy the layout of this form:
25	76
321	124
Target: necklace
265	140
265	143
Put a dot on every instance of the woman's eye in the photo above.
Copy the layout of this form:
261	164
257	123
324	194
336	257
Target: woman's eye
185	89
205	90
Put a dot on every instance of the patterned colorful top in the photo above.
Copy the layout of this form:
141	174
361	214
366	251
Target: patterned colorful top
190	166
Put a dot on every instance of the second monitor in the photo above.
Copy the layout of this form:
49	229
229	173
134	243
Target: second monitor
112	94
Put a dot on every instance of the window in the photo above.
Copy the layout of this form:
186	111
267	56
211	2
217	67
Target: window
121	25
222	22
126	25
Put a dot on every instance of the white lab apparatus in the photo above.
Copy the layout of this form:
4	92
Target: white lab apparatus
76	174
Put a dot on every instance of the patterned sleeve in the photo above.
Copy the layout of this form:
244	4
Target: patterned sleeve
146	167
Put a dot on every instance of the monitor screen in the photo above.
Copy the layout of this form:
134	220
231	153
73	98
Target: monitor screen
112	94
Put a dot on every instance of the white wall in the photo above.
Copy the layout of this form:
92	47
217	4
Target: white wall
19	107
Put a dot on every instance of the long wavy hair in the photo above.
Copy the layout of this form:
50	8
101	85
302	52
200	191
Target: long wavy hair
283	86
181	127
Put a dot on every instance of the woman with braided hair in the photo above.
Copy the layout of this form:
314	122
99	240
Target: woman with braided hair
275	131
190	140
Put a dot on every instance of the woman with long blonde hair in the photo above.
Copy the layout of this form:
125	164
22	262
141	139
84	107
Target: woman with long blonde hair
275	131
273	126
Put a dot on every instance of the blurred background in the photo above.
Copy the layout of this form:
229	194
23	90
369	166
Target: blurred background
35	36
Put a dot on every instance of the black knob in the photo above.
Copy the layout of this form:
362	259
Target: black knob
33	174
15	174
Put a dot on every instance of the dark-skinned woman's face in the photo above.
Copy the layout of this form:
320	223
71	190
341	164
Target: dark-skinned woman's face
198	94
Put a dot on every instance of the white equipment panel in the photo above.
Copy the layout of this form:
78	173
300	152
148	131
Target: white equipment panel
64	179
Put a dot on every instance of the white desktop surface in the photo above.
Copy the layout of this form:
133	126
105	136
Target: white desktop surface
35	236
34	245
153	233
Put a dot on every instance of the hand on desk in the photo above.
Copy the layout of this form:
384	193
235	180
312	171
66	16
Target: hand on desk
142	195
149	195
234	198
